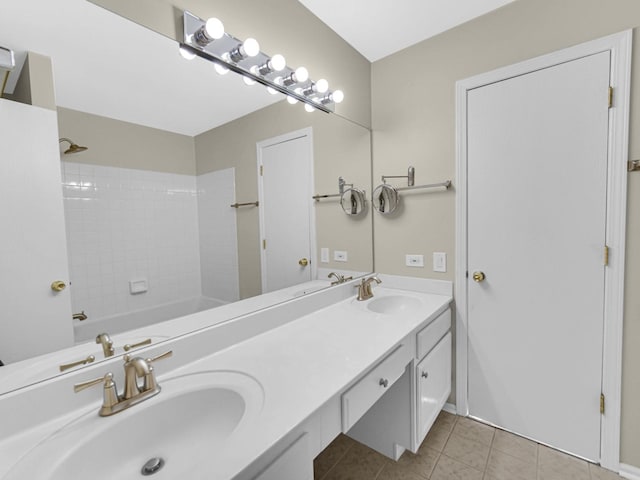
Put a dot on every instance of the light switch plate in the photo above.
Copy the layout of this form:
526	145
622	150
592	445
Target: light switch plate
324	255
340	256
414	260
439	262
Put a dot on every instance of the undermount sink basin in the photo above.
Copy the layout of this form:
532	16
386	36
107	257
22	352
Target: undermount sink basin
186	425
391	304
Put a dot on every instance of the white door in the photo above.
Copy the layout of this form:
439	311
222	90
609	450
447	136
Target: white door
34	319
286	213
537	176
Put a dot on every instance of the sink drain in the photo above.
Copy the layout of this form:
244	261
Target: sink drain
152	466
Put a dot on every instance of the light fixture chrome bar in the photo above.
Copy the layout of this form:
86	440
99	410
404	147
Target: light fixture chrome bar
219	51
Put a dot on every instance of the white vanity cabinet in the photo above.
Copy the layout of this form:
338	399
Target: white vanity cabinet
400	417
433	386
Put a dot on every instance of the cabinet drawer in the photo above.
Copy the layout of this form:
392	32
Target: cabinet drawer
432	333
359	398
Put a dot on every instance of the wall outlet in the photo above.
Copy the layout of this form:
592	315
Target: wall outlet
340	256
439	262
324	255
414	260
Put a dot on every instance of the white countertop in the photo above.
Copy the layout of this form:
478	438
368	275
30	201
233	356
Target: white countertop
303	364
300	365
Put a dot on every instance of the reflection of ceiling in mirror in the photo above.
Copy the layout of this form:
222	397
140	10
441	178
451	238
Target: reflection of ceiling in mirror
109	66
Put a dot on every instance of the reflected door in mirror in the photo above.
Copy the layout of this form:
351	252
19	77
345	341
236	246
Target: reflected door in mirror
287	229
36	309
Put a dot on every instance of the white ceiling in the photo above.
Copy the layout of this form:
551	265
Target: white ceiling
378	28
109	66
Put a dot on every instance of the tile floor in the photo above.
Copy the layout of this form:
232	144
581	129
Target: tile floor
456	448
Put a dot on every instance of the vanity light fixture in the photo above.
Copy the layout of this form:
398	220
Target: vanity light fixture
300	75
212	30
208	40
277	63
248	49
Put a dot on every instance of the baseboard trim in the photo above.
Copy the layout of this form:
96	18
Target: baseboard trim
451	408
629	471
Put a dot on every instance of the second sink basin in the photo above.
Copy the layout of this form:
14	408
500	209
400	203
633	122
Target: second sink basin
186	425
392	304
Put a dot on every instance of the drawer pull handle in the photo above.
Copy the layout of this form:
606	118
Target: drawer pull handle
425	374
384	382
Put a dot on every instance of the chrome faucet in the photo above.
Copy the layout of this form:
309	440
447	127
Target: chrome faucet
364	288
134	369
107	344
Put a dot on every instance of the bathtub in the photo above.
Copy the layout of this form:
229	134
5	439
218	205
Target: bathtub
88	330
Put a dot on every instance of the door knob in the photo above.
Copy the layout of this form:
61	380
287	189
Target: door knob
478	277
58	286
303	262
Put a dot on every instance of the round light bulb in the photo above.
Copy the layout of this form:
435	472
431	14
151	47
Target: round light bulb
251	47
302	74
338	96
186	54
220	70
272	90
214	28
248	81
278	62
291	100
309	108
322	86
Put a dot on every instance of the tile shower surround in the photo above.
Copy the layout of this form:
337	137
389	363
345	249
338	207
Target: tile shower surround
124	224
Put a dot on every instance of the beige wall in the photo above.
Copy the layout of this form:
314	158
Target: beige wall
127	145
415	125
35	85
281	26
341	148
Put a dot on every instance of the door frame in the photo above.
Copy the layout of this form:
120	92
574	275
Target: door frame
304	132
618	139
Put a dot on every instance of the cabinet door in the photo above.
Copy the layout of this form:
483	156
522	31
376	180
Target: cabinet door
434	385
295	463
34	319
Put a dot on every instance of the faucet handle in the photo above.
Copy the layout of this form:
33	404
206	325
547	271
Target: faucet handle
131	346
162	356
78	387
150	379
110	394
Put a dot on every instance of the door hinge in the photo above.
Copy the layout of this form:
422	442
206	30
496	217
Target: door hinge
602	404
610	97
261	170
606	256
264	244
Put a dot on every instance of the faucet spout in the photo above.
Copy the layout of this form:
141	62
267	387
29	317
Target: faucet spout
133	370
107	344
365	291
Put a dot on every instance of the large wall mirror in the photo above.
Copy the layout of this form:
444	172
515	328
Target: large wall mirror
171	146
